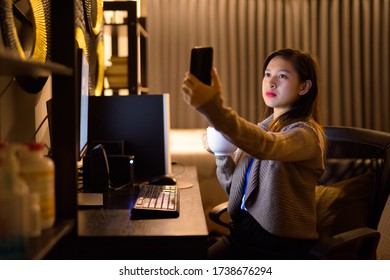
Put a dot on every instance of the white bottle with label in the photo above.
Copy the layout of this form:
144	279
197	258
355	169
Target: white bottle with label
38	171
14	208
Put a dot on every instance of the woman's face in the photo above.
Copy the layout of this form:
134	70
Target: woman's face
281	85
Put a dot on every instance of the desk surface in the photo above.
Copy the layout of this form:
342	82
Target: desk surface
111	233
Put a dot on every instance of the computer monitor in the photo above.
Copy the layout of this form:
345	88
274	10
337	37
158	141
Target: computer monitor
141	123
82	84
82	99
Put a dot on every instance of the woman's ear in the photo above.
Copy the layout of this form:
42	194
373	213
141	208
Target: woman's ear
305	87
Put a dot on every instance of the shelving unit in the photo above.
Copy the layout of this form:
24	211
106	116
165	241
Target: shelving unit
39	247
123	29
64	116
64	128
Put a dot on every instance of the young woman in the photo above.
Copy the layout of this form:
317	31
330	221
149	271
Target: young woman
271	178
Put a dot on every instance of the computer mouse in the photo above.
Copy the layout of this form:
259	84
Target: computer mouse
163	180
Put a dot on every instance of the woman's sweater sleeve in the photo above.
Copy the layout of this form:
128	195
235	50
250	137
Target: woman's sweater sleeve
297	143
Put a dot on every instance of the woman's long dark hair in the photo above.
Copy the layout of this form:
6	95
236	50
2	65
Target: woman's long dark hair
306	107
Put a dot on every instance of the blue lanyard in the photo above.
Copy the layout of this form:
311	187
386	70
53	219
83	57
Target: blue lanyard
248	172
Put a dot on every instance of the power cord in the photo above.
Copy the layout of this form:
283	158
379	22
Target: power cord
6	87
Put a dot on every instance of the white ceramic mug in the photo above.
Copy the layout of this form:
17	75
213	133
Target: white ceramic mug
218	144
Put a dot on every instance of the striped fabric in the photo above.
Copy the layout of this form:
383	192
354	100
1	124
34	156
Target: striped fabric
351	39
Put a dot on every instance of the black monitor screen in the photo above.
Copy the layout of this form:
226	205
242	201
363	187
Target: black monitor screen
141	122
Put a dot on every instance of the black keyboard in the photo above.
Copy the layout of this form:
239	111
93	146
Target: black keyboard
155	201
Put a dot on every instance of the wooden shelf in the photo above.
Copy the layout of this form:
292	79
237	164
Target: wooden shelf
13	66
39	247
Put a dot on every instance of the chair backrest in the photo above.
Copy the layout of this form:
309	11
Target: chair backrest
383	252
354	151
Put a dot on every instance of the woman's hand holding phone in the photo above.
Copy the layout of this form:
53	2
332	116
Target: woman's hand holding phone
196	93
202	81
201	63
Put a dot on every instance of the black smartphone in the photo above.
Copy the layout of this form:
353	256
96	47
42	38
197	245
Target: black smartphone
201	63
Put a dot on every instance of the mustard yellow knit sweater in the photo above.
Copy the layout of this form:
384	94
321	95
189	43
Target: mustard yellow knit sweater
286	168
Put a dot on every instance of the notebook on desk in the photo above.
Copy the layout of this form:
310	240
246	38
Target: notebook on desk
156	201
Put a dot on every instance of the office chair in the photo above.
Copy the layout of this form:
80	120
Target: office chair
350	196
383	251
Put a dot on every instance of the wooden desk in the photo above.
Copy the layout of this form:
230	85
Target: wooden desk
110	233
